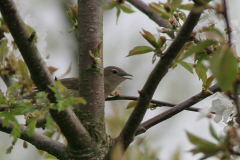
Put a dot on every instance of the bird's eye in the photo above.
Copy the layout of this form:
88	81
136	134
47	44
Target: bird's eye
114	71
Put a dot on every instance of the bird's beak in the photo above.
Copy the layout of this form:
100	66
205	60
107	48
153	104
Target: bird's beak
127	75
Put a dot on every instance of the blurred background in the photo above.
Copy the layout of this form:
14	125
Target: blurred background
49	19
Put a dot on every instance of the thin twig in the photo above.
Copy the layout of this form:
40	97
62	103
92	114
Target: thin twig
225	14
176	109
143	7
236	100
156	103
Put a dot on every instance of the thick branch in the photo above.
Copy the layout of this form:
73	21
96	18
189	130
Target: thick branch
39	72
90	37
175	110
39	141
127	134
143	7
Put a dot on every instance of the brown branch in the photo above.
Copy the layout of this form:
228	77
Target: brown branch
38	140
128	132
175	110
66	119
90	37
225	14
236	100
156	103
143	7
7	80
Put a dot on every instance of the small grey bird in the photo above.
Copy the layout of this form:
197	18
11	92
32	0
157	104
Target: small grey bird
113	76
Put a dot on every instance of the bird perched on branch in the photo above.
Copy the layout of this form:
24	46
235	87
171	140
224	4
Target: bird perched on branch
113	76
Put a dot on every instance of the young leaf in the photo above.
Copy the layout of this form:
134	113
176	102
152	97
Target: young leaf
213	133
131	104
201	70
31	123
126	8
175	3
224	66
23	68
110	5
214	33
208	82
118	13
187	6
199	47
50	124
200	142
140	50
74	10
157	8
150	38
187	66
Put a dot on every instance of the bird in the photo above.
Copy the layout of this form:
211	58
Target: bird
113	76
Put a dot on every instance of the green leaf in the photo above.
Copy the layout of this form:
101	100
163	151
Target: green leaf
213	133
200	142
110	5
208	82
3	50
214	33
176	3
187	6
74	10
126	8
71	16
50	124
23	108
157	8
79	100
140	50
31	123
176	154
131	104
224	67
49	156
201	70
53	89
31	30
187	66
2	99
16	132
22	67
199	47
118	13
150	38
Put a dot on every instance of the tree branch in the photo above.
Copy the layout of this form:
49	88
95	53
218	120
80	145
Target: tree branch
90	38
7	80
40	74
236	100
128	132
225	14
175	110
143	7
155	102
39	141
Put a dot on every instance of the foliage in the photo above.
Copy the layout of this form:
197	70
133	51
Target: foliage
208	54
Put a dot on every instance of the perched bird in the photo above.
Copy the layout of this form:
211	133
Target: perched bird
113	76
